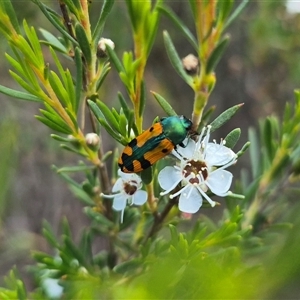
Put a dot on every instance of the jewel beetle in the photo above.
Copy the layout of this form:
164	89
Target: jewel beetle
154	143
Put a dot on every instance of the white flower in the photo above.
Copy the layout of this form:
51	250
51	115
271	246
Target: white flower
201	169
127	189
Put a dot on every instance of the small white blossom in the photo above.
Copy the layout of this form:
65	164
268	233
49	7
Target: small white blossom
92	140
103	42
127	189
201	169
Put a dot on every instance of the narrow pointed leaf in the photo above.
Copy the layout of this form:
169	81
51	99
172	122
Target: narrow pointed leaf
180	25
83	42
54	20
224	117
115	60
175	59
79	77
164	104
142	99
232	138
106	9
53	41
237	11
216	55
9	9
103	75
19	95
53	125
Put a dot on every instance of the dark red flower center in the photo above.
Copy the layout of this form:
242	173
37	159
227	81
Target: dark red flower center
130	187
195	167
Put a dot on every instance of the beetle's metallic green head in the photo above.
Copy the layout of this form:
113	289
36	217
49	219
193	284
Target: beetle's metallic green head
176	128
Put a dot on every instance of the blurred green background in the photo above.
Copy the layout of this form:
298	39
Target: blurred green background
261	68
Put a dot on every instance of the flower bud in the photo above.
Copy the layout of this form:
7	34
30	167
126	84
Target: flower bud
190	64
101	50
92	140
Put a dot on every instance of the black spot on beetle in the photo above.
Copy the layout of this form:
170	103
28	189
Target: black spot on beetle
164	150
132	143
144	163
151	128
125	164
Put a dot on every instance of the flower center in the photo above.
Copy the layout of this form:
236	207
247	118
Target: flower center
195	170
130	187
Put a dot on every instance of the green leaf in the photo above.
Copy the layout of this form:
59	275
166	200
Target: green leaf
9	9
74	7
254	153
237	11
216	55
60	138
49	235
123	125
22	83
124	105
101	119
224	117
180	25
86	246
109	116
75	188
115	60
83	43
74	149
28	72
147	175
55	118
19	95
243	150
103	75
164	104
142	99
16	65
55	20
53	41
175	59
59	66
79	80
128	267
76	253
28	52
35	44
53	125
106	8
59	89
73	118
269	137
232	138
98	217
69	85
224	8
72	169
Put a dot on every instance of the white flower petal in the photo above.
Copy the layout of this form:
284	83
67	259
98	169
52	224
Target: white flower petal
129	176
190	200
218	155
139	197
168	177
119	202
188	150
118	186
219	181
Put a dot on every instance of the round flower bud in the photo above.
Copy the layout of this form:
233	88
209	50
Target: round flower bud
101	50
190	64
92	140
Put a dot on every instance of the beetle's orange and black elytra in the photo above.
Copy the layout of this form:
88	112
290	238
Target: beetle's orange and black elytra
153	144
